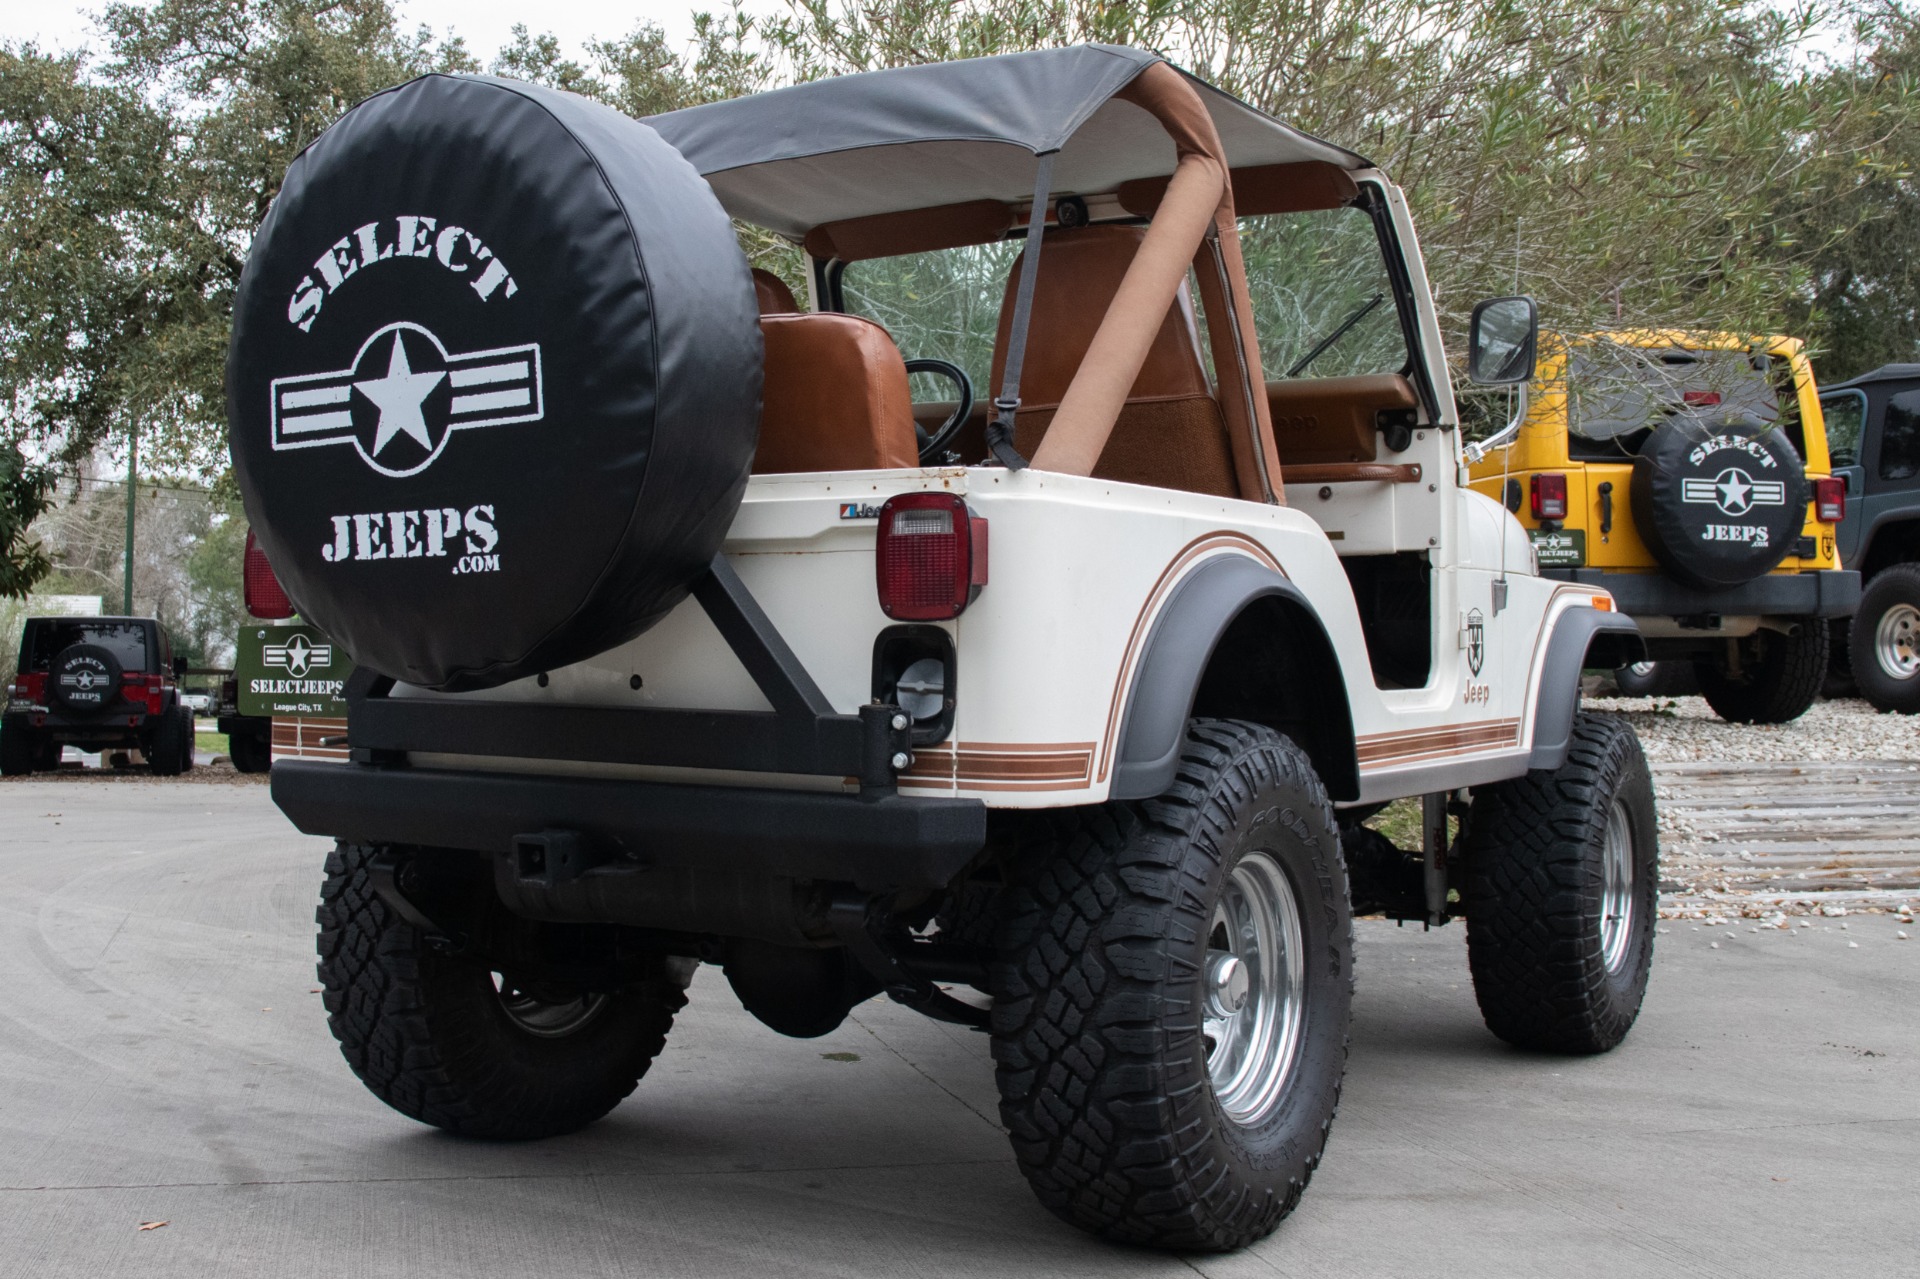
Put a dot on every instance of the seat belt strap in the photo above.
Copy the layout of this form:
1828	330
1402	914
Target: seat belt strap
1007	402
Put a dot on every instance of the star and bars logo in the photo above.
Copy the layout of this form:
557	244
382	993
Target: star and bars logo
297	656
1733	491
404	398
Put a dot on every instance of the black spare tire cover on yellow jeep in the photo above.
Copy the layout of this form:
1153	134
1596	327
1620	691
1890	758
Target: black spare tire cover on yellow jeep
494	385
1719	504
83	679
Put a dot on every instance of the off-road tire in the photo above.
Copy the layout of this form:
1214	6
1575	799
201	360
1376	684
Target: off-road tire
1534	894
1779	679
428	1034
1891	589
1631	682
971	914
169	751
249	752
18	750
1098	1009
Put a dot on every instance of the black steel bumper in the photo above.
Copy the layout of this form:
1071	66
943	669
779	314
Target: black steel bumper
116	724
1830	593
877	843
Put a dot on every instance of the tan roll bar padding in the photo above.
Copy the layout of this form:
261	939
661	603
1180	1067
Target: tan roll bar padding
1300	187
887	235
1079	431
1198	196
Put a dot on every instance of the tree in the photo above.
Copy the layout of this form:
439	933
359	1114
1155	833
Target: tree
1863	301
25	492
1673	163
1624	164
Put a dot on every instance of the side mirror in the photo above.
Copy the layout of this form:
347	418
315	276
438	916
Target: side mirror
179	667
1503	341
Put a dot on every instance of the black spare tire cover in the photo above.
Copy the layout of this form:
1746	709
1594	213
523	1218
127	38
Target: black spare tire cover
494	385
83	680
1719	504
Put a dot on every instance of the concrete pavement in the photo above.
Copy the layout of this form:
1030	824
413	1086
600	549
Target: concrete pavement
163	1057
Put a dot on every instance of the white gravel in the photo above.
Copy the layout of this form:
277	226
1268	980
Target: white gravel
1685	729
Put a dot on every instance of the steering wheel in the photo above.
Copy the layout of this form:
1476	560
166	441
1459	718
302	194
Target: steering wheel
932	446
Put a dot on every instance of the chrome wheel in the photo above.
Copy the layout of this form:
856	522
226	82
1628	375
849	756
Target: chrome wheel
1253	988
1896	641
1642	669
1616	892
546	1013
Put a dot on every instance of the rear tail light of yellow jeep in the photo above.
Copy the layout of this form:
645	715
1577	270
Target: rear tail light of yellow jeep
1830	499
1549	493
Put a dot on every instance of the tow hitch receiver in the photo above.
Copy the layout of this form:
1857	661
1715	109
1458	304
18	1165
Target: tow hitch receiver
860	925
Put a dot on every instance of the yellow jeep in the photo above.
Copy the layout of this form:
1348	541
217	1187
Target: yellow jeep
1688	474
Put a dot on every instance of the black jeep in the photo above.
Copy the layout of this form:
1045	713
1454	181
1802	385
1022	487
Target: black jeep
100	684
1873	427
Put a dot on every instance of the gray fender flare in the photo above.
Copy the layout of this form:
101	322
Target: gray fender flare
1166	682
1612	638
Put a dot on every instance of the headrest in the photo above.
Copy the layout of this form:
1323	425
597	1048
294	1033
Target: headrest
1080	271
835	397
774	296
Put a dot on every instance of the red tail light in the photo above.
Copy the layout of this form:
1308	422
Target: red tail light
31	687
265	598
930	558
1830	499
1700	399
150	689
1549	497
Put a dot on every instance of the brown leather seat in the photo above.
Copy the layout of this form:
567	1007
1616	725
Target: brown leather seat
1170	433
836	397
772	293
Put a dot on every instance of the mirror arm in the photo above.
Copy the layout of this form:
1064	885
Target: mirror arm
1477	449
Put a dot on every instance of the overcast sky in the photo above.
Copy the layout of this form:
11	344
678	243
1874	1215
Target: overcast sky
56	24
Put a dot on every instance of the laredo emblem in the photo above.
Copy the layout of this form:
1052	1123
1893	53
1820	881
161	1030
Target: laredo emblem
1733	491
297	656
1476	641
404	398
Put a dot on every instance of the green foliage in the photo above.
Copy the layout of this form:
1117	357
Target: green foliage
24	494
1862	308
1311	273
1671	163
945	305
1624	164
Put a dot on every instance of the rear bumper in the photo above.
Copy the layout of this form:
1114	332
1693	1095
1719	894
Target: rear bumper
118	725
880	843
256	725
1829	593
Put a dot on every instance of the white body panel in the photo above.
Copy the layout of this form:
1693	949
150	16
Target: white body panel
1046	654
1079	569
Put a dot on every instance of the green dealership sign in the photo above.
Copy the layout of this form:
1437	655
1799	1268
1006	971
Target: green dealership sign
292	670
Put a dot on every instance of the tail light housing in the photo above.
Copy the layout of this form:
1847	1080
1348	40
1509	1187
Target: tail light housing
265	596
149	690
1549	492
31	687
930	558
1830	499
